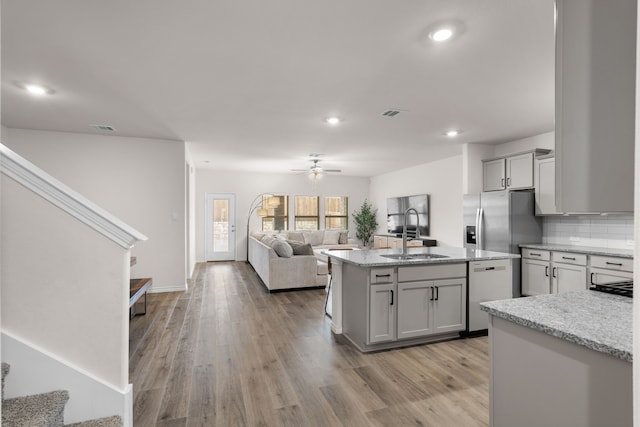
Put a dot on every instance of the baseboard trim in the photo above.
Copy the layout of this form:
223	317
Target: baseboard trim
35	370
171	288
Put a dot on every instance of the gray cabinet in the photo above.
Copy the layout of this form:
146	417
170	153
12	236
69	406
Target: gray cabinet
387	307
536	272
595	105
415	309
382	313
508	173
546	272
545	183
449	305
493	175
607	269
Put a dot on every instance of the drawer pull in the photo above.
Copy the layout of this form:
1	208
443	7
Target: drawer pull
534	254
619	264
382	275
569	257
490	268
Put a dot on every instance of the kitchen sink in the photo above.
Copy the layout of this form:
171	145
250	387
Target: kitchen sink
413	256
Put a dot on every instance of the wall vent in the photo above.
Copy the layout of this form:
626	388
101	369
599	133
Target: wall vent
104	128
392	112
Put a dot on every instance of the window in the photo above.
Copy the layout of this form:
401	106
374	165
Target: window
336	213
277	216
307	213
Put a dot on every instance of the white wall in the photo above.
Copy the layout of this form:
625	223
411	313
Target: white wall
246	186
191	214
141	181
544	140
65	287
442	180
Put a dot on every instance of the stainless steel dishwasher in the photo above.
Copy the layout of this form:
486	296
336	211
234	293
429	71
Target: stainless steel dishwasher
488	281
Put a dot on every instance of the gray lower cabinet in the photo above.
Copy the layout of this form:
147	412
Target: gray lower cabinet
433	307
404	305
415	301
382	313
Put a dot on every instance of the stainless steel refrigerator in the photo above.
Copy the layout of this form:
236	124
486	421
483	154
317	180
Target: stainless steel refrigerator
500	221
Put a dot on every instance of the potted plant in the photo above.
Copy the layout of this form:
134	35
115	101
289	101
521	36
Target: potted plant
366	223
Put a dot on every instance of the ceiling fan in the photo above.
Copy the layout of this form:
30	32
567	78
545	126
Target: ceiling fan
315	170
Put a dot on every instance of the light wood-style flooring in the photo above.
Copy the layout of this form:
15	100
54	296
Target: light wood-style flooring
228	353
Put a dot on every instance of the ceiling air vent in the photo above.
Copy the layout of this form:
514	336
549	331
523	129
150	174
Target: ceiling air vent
392	112
104	128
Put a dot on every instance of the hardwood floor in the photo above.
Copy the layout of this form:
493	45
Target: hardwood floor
228	353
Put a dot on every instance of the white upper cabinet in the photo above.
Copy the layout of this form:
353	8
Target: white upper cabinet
493	175
520	171
545	183
508	173
595	105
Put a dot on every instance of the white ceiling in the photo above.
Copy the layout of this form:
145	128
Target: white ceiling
247	83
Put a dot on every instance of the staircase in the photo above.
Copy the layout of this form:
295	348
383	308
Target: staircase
43	410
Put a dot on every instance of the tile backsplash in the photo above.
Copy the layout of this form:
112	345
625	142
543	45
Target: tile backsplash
610	231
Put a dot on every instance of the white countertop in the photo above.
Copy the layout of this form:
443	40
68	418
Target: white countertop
374	258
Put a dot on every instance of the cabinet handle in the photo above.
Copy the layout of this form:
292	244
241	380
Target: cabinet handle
619	264
508	182
553	272
437	293
591	279
534	254
569	257
502	182
546	270
391	297
433	294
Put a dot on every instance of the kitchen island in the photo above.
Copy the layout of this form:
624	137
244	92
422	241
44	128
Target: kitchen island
382	300
562	359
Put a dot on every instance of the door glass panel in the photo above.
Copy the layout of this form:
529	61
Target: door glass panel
221	225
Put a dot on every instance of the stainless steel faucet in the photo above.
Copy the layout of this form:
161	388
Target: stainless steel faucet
404	229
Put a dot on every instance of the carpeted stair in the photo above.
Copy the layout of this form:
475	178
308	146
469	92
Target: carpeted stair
43	410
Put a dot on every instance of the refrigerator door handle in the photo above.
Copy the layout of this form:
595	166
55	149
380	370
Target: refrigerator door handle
477	227
480	229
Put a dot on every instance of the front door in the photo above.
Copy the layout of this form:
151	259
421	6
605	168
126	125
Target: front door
220	227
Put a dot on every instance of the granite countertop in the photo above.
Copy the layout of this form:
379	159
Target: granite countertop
374	258
622	253
599	321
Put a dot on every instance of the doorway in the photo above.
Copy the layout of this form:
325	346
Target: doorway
220	227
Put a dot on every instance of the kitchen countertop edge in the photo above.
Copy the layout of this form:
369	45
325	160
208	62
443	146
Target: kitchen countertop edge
454	255
620	253
602	341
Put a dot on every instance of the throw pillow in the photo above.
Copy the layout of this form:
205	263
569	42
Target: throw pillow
331	237
314	238
257	235
268	240
282	248
300	248
296	235
344	238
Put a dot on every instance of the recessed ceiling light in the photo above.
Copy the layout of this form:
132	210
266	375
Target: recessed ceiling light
333	120
453	133
36	89
441	34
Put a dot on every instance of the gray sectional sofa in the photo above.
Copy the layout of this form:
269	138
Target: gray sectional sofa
286	260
